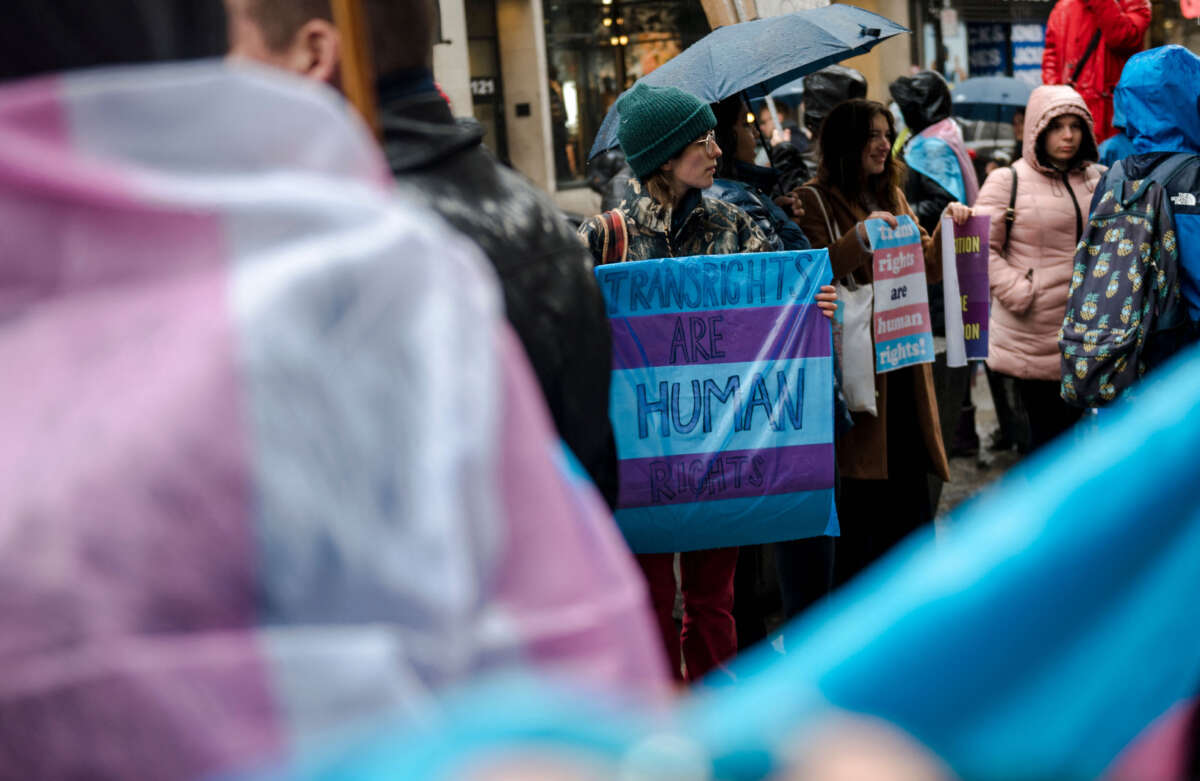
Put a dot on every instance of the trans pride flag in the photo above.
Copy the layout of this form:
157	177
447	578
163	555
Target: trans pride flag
272	462
1054	622
722	399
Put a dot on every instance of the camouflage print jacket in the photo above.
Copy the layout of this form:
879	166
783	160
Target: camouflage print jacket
712	228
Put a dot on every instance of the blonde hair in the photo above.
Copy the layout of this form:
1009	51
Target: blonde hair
658	184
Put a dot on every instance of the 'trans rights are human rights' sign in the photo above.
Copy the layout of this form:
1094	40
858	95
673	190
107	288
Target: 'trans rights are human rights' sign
722	399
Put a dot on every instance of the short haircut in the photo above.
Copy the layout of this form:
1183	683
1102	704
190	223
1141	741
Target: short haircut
280	20
402	31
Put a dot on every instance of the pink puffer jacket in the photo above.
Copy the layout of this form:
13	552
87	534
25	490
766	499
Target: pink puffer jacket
1030	281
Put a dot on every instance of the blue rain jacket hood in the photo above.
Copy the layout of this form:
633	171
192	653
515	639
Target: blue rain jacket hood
1159	94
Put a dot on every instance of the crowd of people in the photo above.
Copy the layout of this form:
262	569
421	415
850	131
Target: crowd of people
458	385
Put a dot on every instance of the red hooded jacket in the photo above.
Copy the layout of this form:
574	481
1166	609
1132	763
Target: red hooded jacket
1122	25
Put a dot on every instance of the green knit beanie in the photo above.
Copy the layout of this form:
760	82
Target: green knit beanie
658	122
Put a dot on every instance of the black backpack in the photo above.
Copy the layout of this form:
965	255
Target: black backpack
1124	308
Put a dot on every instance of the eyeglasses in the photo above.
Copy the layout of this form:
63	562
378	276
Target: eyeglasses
709	140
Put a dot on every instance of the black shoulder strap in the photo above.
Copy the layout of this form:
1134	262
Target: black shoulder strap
1165	171
1162	173
1010	214
1087	53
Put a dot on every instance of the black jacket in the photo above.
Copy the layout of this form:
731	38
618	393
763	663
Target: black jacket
924	100
609	174
550	295
46	36
824	90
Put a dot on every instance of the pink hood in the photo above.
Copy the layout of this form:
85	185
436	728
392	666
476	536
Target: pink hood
1047	103
1030	278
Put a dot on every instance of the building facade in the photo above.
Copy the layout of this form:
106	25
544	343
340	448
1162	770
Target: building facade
539	75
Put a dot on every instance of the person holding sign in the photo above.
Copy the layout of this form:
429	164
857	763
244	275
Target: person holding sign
668	138
885	458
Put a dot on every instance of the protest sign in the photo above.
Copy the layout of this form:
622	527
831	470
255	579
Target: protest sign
722	399
965	289
902	330
971	255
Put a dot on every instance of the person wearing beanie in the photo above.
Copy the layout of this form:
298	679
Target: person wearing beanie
668	139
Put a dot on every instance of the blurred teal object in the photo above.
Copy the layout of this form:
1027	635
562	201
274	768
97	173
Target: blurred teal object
1054	622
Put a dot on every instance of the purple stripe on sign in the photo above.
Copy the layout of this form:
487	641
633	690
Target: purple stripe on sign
720	336
734	474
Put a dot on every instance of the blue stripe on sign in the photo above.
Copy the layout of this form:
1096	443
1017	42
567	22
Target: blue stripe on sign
806	420
882	237
708	282
905	351
750	522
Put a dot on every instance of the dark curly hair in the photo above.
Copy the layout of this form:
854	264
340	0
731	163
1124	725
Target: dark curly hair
844	135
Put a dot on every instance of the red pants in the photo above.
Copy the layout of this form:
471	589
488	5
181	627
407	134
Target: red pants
709	637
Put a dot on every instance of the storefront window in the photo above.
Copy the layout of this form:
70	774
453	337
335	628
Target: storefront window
986	38
483	47
1168	25
596	50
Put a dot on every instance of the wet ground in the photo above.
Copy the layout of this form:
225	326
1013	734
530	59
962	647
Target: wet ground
970	474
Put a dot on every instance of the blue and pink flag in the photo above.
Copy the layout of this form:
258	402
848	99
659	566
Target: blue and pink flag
1050	631
722	399
903	332
273	463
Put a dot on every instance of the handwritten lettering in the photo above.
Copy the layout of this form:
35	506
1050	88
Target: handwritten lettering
740	398
694	476
744	281
697	340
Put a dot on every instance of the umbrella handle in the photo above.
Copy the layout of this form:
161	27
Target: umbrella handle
358	72
758	128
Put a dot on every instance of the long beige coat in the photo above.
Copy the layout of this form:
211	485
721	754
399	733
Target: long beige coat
862	451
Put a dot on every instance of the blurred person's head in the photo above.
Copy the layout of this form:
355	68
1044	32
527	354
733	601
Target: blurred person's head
666	135
1158	97
48	36
735	135
1058	135
862	749
856	153
827	88
766	122
296	35
299	35
1018	124
923	99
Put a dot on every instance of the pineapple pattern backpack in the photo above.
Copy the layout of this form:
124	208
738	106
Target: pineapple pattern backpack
1124	287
